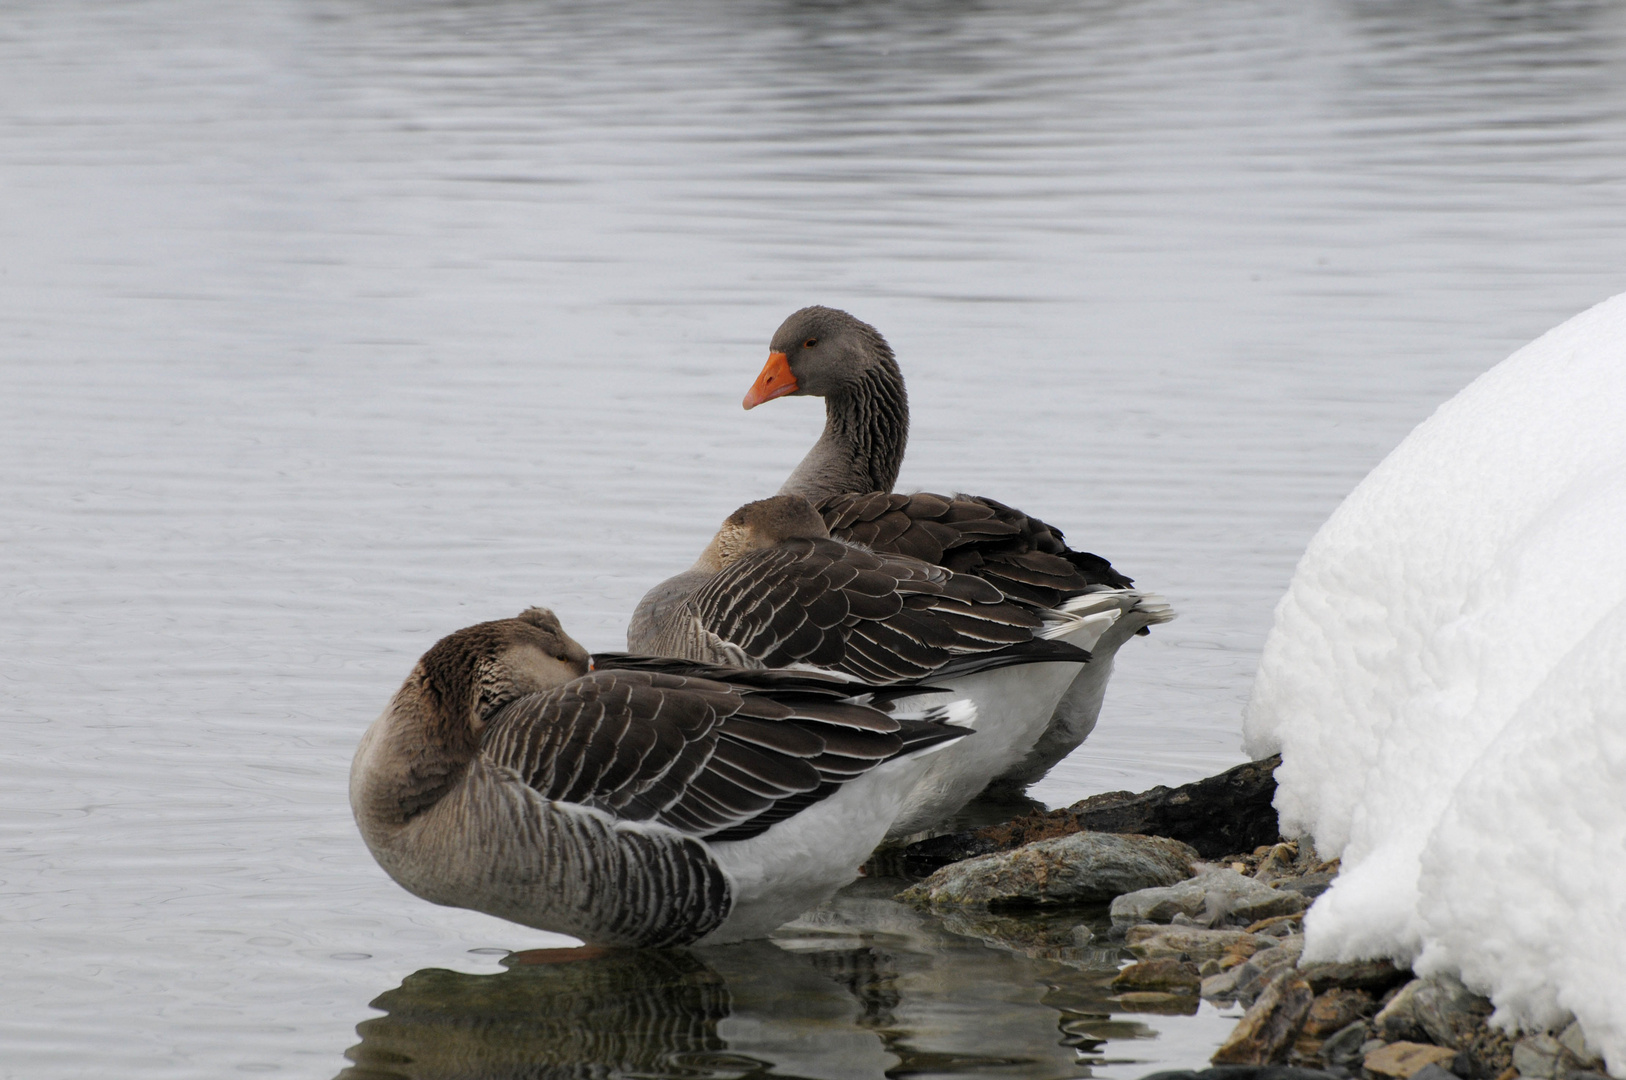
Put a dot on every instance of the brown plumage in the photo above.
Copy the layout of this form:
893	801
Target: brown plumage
619	805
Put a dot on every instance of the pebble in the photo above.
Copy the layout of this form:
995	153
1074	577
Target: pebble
1078	868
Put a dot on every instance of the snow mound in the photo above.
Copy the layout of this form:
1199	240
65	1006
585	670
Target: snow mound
1446	681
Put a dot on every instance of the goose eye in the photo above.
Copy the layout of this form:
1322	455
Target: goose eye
810	342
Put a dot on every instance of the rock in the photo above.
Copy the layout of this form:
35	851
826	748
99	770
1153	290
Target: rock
1216	816
1488	1055
1439	1009
1403	1060
1336	1010
1038	938
1397	1020
1343	1047
1221	987
1434	1072
1540	1056
1172	976
1277	925
1264	965
1574	1040
1449	1011
1373	976
1155	1001
1245	1072
1157	905
1188	942
1215	894
1266	1031
1079	869
1249	979
1311	885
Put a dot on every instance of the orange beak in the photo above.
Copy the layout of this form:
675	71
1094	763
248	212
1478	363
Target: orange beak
775	381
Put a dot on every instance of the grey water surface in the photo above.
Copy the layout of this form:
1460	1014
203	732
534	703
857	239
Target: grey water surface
329	326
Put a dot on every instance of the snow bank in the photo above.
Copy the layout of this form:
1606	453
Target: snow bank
1446	681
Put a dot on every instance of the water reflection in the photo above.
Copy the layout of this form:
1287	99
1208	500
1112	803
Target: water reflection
863	987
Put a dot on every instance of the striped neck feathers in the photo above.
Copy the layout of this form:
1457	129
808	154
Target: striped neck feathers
866	430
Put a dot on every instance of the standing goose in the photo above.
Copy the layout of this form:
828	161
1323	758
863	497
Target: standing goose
849	474
772	589
630	807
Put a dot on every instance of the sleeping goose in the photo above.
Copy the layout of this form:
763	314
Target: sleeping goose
772	589
626	807
849	473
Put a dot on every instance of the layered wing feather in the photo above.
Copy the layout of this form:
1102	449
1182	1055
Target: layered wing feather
714	759
875	616
969	534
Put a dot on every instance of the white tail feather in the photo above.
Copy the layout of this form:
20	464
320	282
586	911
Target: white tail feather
1085	618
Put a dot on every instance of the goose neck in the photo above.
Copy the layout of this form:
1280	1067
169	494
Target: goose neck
411	758
866	429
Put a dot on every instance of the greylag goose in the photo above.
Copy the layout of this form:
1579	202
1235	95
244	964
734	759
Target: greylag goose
628	807
772	589
849	473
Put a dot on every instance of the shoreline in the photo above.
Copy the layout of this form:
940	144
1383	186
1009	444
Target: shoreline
1209	901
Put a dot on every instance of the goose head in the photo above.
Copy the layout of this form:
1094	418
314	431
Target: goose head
822	352
819	352
468	675
763	524
419	748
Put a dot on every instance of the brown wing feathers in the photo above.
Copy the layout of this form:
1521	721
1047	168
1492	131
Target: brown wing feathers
712	759
874	616
970	534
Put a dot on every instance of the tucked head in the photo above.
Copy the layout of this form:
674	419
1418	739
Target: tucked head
472	673
763	524
818	352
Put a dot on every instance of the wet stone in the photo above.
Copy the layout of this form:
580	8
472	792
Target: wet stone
1403	1060
1080	868
1266	1031
1215	896
1172	976
1217	816
1246	1072
1188	942
1156	1001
